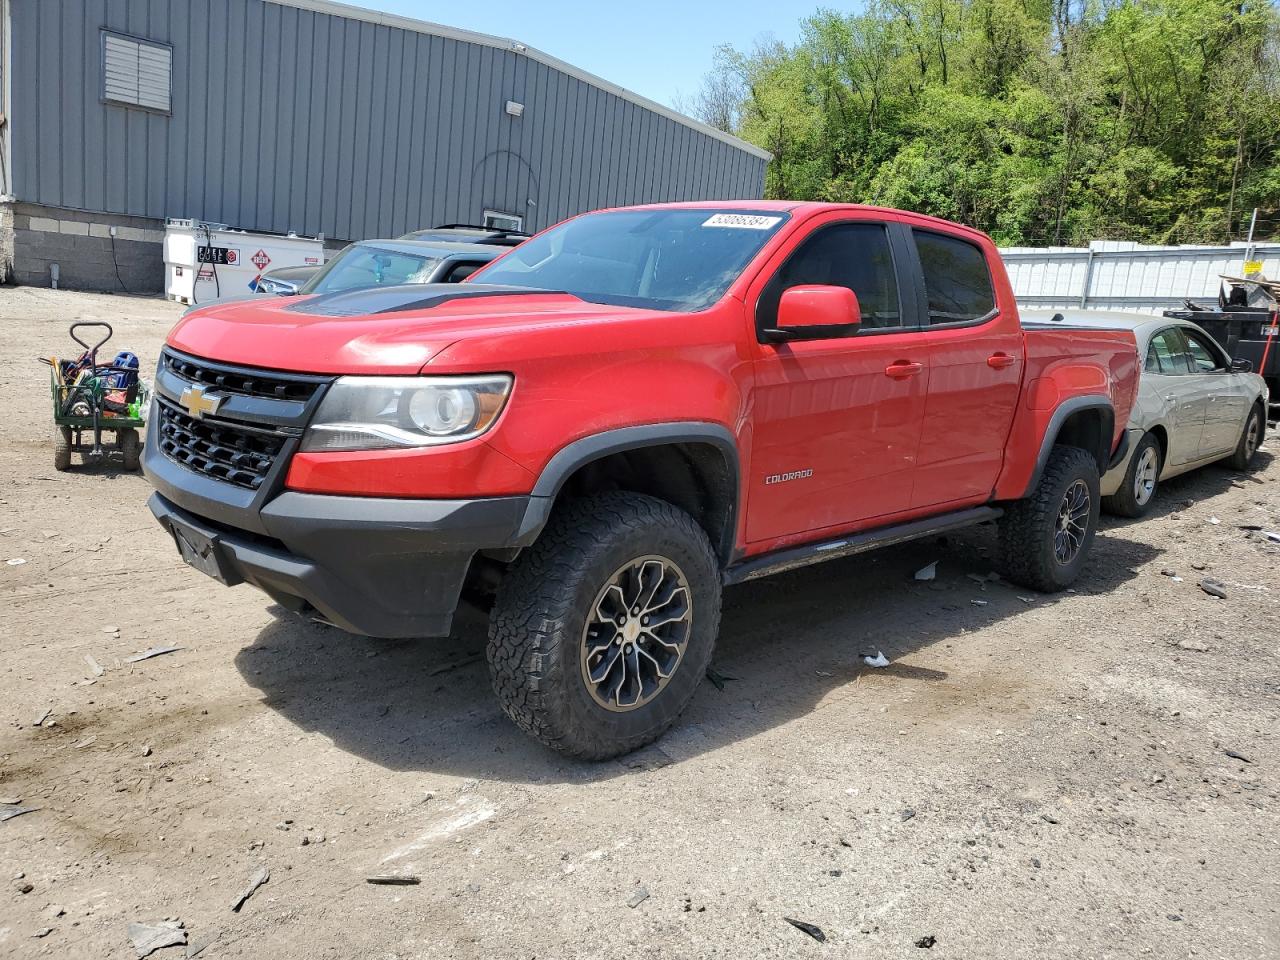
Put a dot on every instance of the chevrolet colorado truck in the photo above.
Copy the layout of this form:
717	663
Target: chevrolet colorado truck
618	418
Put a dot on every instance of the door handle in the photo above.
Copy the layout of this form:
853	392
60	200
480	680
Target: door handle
998	361
903	368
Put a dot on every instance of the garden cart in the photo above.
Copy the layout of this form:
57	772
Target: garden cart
90	399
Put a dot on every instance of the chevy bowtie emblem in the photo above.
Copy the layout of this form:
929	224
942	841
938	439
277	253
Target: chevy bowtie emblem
198	403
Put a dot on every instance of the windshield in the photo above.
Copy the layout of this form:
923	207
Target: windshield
359	266
668	259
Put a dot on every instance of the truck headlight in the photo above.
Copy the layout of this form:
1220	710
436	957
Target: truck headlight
386	413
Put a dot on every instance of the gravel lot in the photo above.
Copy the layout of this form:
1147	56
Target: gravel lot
1033	776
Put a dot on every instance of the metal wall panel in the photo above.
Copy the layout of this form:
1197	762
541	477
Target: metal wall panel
285	118
1108	275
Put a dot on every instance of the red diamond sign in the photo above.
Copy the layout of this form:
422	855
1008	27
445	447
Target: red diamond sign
260	259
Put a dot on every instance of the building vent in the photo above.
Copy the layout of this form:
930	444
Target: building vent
137	73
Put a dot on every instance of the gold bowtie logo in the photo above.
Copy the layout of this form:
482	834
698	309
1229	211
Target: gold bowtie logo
199	403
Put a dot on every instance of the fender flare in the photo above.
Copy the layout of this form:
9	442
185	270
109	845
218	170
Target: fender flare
579	453
1069	407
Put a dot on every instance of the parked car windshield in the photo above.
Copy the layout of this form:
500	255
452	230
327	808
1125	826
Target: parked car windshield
359	266
670	259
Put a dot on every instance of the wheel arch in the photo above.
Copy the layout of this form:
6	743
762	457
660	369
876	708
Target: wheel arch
693	465
1087	422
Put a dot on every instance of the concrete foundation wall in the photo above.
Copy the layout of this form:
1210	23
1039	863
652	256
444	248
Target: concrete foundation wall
81	244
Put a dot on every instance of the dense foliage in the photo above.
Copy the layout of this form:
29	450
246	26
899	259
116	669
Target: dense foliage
1040	121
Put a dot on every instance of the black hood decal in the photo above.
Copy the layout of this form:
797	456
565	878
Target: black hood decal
408	296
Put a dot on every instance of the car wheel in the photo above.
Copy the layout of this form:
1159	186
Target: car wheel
602	630
1250	440
61	448
1045	538
1137	493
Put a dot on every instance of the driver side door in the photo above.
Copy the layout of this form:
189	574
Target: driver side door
837	421
1226	403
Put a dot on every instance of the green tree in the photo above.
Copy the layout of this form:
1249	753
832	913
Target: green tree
1040	121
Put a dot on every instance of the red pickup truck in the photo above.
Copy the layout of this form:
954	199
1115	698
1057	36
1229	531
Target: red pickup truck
618	418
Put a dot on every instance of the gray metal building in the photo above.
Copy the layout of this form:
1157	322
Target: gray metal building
307	116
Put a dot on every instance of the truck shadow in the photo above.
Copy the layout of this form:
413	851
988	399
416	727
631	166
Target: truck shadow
786	644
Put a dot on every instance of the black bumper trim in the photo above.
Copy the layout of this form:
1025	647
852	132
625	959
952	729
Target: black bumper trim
380	567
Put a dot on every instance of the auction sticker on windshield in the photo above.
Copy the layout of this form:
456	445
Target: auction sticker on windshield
742	221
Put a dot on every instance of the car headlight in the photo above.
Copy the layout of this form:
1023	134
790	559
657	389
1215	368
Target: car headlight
386	413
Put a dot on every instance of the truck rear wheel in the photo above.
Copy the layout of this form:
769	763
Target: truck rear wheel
1045	538
602	630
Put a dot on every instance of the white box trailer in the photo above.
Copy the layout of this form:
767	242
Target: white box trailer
207	261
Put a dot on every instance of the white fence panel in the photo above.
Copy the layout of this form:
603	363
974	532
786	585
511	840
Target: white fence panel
1112	275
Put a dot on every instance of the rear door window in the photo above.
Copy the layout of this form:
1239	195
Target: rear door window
1168	354
853	255
956	279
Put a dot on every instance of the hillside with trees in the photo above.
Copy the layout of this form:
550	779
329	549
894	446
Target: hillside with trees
1039	121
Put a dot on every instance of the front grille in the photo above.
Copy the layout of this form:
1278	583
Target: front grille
218	448
250	383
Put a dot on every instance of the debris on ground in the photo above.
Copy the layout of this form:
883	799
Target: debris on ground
907	814
198	945
111	629
1237	756
809	928
640	895
42	717
394	880
1214	520
16	562
148	654
150	937
1196	646
926	943
927	572
1213	588
260	876
979	603
96	667
42	932
878	660
1049	818
9	810
718	679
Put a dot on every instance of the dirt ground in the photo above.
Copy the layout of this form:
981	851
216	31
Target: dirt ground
1093	774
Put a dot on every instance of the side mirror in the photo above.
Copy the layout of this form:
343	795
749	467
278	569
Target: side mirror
1241	365
815	312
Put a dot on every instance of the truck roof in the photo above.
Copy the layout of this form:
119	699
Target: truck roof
804	208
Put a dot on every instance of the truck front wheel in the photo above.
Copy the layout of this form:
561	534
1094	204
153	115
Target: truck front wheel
602	630
1045	538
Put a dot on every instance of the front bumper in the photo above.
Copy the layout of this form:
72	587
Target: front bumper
378	566
385	568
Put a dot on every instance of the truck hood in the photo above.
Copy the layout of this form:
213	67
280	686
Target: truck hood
384	330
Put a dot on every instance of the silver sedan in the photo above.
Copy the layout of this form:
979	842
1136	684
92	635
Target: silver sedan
1195	405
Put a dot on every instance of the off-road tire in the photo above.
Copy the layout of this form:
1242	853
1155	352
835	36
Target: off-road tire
130	448
1028	526
61	447
1243	454
1124	502
541	609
